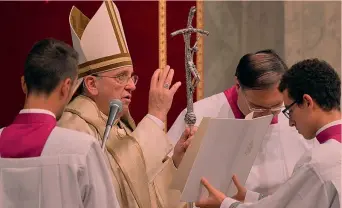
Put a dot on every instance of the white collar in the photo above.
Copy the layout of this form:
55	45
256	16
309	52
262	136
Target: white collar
36	110
329	125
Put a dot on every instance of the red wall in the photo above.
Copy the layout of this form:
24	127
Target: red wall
24	23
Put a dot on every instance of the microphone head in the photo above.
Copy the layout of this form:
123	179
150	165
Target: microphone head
115	107
117	103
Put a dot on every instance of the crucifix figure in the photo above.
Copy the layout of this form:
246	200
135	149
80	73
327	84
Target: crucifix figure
190	67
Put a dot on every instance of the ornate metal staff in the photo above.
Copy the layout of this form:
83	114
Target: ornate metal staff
190	67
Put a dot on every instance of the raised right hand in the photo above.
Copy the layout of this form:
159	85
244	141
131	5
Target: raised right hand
161	95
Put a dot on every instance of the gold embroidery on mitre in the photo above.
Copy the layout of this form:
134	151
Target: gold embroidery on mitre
104	64
116	26
78	21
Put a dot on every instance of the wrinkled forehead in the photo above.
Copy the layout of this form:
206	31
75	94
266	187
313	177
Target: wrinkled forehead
265	98
122	70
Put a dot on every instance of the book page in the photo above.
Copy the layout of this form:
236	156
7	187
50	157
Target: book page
249	149
220	147
189	157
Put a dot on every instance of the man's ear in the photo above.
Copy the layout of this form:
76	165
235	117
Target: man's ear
66	88
237	84
23	85
89	83
308	101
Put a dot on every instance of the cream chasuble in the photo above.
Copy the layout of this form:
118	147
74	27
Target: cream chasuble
140	177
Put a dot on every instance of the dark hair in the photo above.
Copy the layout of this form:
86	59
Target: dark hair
315	78
49	62
260	70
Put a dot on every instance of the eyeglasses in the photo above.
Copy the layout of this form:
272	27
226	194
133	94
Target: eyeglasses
122	79
262	110
274	110
287	112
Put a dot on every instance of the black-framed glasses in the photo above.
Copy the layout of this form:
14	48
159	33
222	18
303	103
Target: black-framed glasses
122	78
286	111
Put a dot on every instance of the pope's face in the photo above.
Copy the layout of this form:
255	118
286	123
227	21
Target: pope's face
116	84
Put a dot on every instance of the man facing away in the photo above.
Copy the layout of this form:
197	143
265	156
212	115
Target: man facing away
312	93
43	165
137	155
257	78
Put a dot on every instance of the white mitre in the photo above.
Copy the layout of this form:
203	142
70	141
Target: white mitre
100	41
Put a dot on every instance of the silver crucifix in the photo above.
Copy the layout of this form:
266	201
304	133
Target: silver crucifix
190	67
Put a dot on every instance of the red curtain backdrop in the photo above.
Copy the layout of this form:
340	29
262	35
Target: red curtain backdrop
24	23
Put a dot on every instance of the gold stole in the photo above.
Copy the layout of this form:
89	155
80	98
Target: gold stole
125	150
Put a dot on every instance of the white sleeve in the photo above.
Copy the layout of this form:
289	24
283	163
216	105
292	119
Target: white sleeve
207	107
157	121
177	128
252	196
99	191
304	189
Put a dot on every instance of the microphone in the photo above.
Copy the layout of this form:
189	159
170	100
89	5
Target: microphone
115	107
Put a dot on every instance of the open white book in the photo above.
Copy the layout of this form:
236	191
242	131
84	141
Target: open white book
221	147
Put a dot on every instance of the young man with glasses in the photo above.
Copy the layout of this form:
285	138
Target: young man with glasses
136	155
256	90
312	93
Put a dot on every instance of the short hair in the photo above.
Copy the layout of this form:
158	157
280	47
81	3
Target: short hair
260	70
48	63
315	78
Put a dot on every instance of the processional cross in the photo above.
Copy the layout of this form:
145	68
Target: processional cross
190	67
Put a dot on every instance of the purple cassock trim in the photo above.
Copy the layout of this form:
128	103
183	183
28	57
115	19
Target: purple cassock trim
26	136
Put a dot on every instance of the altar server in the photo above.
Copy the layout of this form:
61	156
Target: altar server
257	78
42	165
312	93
